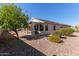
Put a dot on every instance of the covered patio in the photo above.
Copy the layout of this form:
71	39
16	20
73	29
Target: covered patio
38	27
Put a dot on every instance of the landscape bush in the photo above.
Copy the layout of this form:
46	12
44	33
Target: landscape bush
58	33
54	38
67	31
64	32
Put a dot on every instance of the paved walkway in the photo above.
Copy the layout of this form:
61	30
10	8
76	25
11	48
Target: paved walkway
69	46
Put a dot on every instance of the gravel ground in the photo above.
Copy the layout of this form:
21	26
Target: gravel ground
27	46
69	46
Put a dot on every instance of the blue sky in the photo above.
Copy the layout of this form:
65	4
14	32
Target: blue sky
58	12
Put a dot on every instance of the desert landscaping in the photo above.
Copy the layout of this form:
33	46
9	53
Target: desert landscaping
69	46
41	46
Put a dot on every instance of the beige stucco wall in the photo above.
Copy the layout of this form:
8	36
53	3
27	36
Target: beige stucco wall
51	27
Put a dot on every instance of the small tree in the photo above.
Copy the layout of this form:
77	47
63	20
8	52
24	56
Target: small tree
12	17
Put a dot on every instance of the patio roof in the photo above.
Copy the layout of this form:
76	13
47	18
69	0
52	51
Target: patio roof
37	20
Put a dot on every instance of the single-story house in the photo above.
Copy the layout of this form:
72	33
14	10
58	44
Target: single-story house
39	26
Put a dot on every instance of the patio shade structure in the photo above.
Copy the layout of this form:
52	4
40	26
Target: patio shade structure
35	22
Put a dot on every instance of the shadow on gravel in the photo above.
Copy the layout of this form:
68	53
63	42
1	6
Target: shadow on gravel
30	37
63	37
16	47
61	41
72	35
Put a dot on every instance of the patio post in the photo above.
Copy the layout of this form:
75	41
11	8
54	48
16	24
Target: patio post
44	27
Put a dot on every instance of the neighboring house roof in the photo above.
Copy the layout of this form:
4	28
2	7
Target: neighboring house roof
37	20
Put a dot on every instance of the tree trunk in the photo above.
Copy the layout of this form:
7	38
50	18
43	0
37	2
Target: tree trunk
16	33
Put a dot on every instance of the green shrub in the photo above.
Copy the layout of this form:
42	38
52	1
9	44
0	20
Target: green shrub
58	33
67	31
64	32
54	38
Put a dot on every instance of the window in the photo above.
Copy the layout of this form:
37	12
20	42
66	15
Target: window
54	27
61	27
36	27
41	27
46	27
